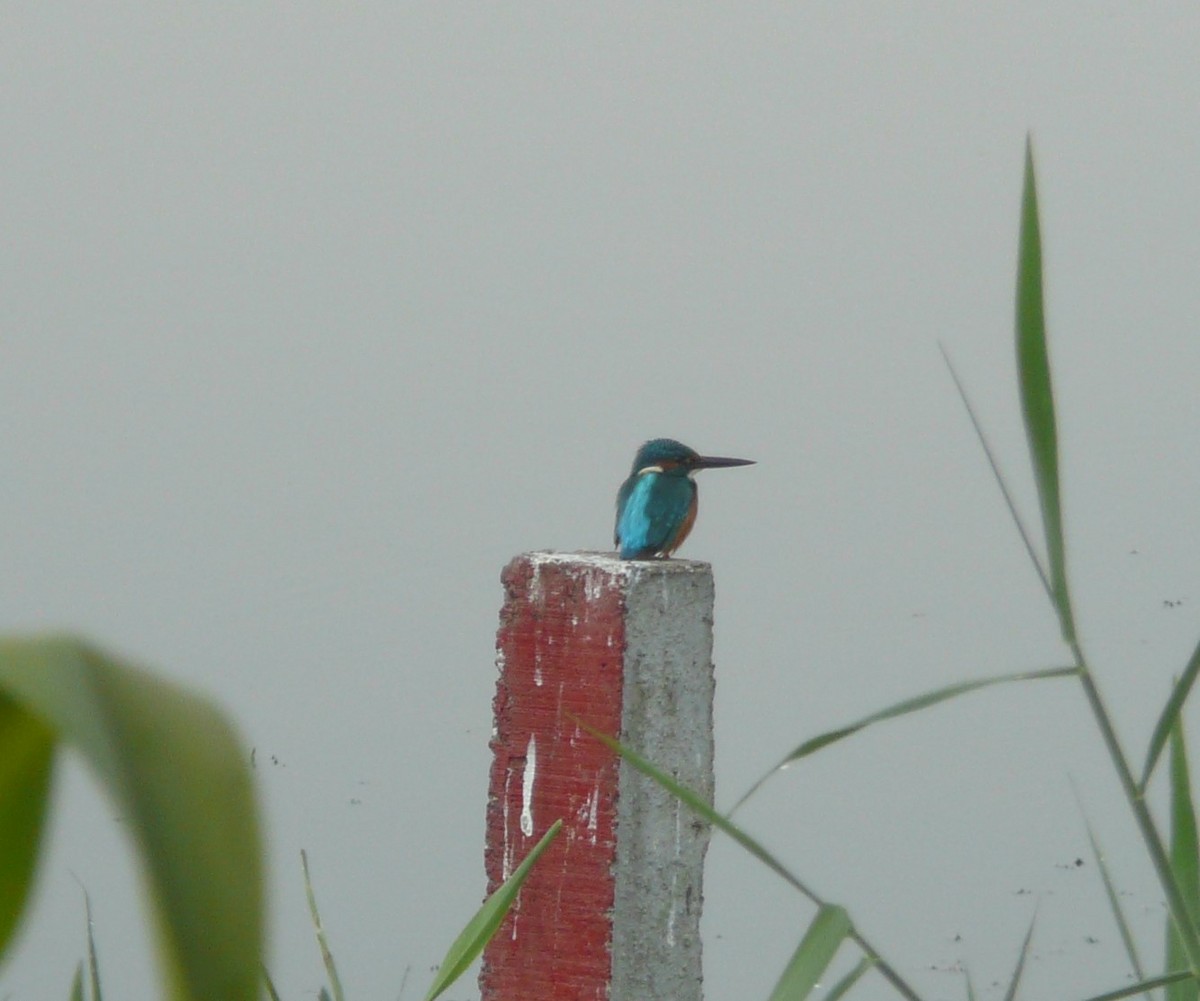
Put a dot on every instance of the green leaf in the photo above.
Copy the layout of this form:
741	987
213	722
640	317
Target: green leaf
1170	714
471	940
695	802
813	955
335	981
1015	982
1037	395
1142	986
1009	502
1114	904
178	774
93	959
272	993
1185	862
77	983
914	704
26	764
842	987
700	806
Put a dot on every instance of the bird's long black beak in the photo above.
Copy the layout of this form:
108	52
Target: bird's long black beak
717	461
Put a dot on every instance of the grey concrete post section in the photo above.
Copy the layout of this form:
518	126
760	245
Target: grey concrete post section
667	716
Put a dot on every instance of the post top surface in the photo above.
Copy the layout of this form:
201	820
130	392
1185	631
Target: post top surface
610	562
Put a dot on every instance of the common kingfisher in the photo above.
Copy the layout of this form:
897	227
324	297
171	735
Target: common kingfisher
656	505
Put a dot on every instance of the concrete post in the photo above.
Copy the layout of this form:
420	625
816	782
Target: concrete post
612	910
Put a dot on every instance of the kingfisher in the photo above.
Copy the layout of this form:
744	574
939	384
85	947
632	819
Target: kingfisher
656	505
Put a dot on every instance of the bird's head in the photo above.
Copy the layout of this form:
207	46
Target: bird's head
674	458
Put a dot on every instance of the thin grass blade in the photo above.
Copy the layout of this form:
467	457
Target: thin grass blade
26	766
1185	861
1114	904
272	993
93	958
1170	714
1165	980
178	774
695	802
1010	503
813	955
970	986
701	807
322	942
903	708
77	983
842	987
1037	395
1015	983
471	940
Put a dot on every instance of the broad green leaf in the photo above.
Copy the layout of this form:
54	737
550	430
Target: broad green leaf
335	982
901	709
1142	986
178	774
697	803
1185	862
1170	714
1037	395
26	763
487	919
842	987
1015	982
813	955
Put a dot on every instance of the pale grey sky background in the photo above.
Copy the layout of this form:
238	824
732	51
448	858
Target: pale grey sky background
313	315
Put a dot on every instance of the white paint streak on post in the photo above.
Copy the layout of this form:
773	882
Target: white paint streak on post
528	777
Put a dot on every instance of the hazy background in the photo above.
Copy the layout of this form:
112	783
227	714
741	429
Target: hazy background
313	315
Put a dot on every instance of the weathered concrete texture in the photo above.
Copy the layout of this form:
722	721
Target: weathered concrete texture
667	716
612	910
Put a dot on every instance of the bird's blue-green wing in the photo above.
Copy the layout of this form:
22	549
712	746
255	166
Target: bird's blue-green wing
622	502
651	510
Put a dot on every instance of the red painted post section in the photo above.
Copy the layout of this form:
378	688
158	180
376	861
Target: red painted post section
560	647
